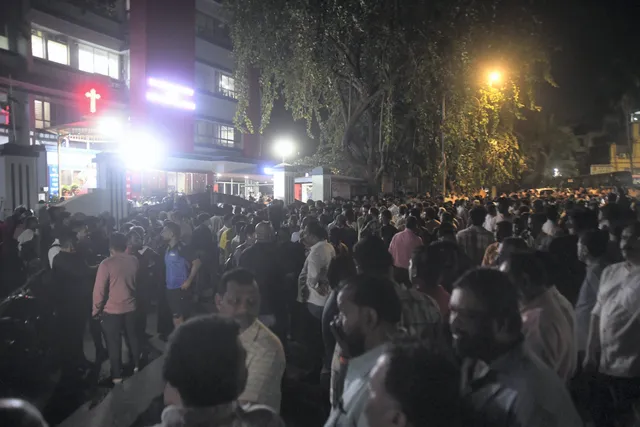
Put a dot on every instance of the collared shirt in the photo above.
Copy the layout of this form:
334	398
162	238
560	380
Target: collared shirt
350	409
420	313
227	415
177	261
550	228
587	300
517	389
402	246
619	328
314	273
474	241
114	291
548	326
490	223
265	365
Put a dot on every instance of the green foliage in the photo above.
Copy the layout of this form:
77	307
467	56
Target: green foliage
372	75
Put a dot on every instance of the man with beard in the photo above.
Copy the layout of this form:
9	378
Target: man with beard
370	311
503	383
238	297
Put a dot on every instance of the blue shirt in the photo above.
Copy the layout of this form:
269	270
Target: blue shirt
177	261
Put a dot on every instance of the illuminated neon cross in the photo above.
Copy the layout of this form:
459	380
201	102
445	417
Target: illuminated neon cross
93	96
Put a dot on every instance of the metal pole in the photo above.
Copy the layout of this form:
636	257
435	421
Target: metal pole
59	171
444	157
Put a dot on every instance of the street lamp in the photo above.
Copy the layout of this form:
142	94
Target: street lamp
283	148
494	77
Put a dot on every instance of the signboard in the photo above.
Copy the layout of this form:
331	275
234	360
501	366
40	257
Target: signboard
596	169
54	181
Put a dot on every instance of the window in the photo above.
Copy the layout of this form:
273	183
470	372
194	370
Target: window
57	52
42	114
226	136
205	78
93	60
210	133
47	46
213	30
37	45
4	38
226	85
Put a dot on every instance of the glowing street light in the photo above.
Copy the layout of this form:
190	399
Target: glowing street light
494	77
284	148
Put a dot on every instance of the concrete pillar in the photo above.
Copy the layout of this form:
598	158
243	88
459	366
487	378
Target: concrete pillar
19	176
111	173
283	183
321	181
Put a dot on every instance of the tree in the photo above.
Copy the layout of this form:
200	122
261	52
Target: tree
546	146
372	76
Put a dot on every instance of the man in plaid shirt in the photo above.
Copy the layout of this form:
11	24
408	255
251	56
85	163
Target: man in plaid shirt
474	240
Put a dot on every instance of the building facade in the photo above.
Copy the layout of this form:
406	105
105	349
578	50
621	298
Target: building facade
68	67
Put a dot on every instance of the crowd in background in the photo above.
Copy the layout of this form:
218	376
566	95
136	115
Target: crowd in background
519	310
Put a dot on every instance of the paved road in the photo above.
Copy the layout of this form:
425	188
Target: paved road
137	402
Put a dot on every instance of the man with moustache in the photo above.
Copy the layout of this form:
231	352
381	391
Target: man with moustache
370	311
503	383
238	297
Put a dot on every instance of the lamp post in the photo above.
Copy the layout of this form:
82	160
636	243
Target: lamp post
283	148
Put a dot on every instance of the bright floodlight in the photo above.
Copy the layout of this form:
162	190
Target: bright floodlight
110	126
495	77
141	151
284	148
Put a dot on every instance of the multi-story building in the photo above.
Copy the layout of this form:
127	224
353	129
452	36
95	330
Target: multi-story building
78	77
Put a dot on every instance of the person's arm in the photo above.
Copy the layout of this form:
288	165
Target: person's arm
315	272
592	353
195	266
100	290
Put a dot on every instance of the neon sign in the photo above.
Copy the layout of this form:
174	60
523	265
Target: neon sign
170	94
93	96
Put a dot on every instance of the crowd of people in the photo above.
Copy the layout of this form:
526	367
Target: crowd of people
519	310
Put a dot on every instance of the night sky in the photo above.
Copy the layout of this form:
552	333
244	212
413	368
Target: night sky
595	56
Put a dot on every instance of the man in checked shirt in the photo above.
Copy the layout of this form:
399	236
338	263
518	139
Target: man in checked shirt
238	297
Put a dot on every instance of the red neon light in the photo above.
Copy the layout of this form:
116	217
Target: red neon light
7	114
93	95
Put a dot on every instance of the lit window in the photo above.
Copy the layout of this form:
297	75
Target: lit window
226	136
226	85
42	111
114	66
4	39
37	46
57	52
85	58
99	61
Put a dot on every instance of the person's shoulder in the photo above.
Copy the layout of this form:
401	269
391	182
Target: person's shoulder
267	339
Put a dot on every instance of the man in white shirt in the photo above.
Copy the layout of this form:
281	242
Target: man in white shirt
613	347
313	282
369	313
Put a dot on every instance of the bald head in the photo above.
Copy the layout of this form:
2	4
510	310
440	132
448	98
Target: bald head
264	232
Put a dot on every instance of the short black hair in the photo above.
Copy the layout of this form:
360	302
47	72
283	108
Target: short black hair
316	229
478	215
551	212
203	359
372	255
596	242
425	380
412	223
387	214
496	293
241	276
527	263
174	228
377	293
67	240
118	242
538	218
